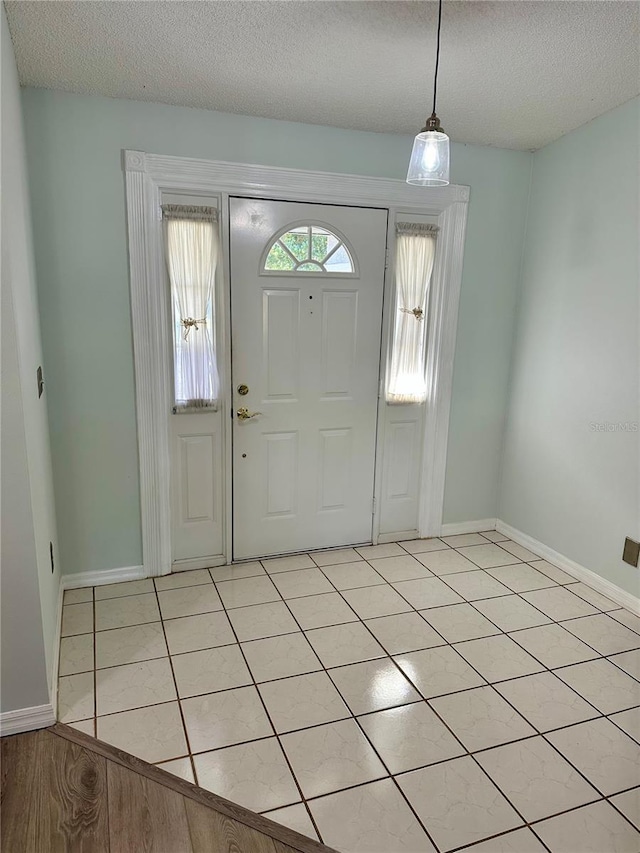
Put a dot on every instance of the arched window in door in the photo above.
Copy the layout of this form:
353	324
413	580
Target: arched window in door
309	248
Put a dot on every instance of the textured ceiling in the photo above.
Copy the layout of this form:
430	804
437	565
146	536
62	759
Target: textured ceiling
513	74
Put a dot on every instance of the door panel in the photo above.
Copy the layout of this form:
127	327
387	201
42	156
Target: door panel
307	345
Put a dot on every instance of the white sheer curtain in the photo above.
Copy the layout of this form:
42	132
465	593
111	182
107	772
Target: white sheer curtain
192	246
415	253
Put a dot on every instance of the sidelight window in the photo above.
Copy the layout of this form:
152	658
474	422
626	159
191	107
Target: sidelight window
192	249
415	254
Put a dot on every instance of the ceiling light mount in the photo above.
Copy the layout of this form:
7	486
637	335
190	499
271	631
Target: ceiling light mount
429	164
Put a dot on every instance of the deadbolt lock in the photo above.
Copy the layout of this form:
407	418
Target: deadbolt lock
243	390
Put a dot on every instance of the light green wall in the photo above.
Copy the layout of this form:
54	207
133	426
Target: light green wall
576	357
74	147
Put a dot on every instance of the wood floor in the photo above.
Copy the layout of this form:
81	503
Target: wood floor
65	791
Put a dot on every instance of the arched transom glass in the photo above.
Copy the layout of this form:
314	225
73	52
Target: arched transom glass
309	248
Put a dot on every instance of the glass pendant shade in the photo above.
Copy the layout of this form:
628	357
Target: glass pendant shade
429	164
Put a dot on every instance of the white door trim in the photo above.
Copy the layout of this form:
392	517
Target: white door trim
146	177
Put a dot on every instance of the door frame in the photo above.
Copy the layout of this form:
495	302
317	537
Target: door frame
147	177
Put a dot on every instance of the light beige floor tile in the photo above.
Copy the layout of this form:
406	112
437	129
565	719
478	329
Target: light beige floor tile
78	596
473	586
192	633
342	644
254	775
262	620
445	562
373	685
385	823
545	701
241	570
335	557
489	556
210	670
438	671
629	805
371	601
519	551
409	737
553	645
303	701
189	601
120	590
629	662
511	612
423	546
457	803
494	536
602	684
352	575
629	721
222	719
296	818
135	685
301	582
605	755
153	734
626	618
75	697
556	574
403	568
86	726
535	779
288	564
123	612
404	632
604	634
318	611
328	758
130	645
596	598
279	657
481	718
498	658
76	654
179	767
521	577
459	622
592	829
462	540
374	552
77	619
519	841
177	580
559	603
427	592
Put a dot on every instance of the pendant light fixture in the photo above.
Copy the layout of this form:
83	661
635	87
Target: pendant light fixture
429	164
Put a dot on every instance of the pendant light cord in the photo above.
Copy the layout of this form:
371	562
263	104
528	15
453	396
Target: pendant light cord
435	77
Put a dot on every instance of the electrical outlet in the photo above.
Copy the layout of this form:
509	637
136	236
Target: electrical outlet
631	552
53	568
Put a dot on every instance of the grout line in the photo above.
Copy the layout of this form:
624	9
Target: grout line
390	657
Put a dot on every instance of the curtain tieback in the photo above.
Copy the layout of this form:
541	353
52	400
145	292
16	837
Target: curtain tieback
418	313
188	324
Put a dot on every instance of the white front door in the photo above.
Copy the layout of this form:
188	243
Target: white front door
306	308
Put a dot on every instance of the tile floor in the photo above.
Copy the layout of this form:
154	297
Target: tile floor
426	696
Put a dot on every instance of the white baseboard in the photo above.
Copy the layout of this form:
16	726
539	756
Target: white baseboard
26	719
80	579
55	661
595	581
400	536
198	563
468	527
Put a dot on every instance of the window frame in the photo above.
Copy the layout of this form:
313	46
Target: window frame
308	223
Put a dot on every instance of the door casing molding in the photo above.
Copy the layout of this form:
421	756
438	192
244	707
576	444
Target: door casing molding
147	176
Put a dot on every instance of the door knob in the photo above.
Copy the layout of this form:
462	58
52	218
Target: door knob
245	415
